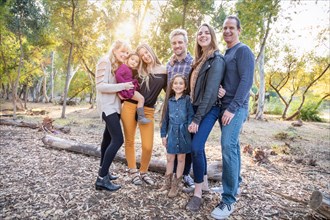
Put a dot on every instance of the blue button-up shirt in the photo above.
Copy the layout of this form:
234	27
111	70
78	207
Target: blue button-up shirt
179	67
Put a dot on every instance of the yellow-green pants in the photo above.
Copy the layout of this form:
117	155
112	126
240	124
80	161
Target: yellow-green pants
147	135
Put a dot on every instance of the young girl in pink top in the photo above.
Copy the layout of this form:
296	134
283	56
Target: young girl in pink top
124	73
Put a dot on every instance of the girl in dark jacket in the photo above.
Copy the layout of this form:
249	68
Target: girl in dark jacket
204	81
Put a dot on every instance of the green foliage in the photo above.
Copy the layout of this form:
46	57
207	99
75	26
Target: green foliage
281	149
80	86
253	16
274	106
172	18
310	112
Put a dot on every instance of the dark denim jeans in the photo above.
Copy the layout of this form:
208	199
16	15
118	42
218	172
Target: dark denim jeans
231	155
198	143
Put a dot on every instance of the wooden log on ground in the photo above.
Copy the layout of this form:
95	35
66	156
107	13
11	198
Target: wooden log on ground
32	125
320	203
18	123
156	165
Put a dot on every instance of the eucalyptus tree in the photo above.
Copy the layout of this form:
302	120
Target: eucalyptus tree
74	25
27	22
257	18
188	15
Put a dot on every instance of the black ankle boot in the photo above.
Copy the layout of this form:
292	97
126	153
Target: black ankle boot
105	184
111	177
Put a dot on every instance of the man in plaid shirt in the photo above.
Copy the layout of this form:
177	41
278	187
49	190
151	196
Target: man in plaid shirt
181	60
180	63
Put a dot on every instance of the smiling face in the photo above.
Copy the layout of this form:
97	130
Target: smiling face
179	46
133	61
146	56
121	54
230	32
179	85
204	37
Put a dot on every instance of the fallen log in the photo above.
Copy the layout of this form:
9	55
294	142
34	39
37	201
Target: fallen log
320	203
156	165
32	125
18	123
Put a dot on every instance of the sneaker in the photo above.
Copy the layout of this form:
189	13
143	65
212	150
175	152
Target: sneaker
222	210
188	181
219	190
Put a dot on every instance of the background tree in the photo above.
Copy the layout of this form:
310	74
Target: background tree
26	20
178	14
257	18
298	79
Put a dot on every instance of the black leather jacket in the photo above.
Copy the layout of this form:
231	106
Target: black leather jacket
207	85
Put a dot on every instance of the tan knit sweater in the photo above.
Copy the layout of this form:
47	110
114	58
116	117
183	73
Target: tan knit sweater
107	87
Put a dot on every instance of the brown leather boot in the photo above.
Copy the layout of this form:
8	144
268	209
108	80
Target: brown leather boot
175	187
167	182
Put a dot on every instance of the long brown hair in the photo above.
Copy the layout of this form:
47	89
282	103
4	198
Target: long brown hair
170	93
199	53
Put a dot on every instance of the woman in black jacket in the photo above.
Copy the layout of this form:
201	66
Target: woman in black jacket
204	82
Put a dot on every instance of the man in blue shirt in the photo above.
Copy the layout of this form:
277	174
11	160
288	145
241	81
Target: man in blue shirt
237	82
180	63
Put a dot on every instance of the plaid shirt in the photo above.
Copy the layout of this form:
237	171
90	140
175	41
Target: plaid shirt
183	67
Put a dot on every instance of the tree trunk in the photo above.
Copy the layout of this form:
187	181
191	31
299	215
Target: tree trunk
69	59
18	76
44	85
320	203
52	78
156	165
67	81
261	97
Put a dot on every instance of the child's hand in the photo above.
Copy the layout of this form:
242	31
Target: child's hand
164	140
193	127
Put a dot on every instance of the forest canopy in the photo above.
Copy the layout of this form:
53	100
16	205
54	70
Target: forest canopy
49	49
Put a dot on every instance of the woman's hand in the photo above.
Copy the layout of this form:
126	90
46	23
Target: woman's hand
193	127
129	85
221	92
164	140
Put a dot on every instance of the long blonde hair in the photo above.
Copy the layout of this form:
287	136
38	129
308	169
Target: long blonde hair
118	44
199	53
143	67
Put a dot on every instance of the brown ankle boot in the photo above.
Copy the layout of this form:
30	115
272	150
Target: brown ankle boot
167	182
175	187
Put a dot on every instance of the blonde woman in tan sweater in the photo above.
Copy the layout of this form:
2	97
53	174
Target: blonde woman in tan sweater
109	107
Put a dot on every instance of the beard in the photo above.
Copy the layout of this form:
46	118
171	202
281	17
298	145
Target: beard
179	53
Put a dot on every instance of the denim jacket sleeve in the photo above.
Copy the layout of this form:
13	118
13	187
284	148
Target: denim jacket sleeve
190	110
164	125
214	77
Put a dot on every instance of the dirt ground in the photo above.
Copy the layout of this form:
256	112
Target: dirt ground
38	182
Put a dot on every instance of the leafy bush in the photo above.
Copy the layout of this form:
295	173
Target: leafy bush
310	112
274	106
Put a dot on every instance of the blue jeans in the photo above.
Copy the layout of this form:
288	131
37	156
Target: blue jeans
231	155
198	143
